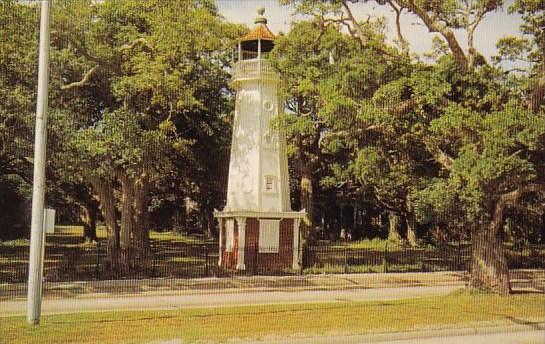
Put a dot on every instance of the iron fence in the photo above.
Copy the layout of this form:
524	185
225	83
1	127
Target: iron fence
87	263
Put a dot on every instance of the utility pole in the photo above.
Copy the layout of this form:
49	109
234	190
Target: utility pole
37	233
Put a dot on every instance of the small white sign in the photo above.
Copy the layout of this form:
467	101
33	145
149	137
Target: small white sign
49	221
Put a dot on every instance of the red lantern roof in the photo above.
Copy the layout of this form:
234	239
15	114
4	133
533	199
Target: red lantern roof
261	31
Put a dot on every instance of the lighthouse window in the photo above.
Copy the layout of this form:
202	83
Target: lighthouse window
269	140
268	105
229	235
269	184
269	236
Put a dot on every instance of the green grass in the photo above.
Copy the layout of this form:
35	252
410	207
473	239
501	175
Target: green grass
337	269
177	237
16	243
77	231
377	244
155	235
365	268
192	260
255	322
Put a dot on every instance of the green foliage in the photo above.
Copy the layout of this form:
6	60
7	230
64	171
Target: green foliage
18	53
493	156
159	84
533	16
447	141
14	210
134	84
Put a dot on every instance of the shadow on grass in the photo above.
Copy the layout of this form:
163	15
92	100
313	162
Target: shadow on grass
525	292
290	309
535	325
104	321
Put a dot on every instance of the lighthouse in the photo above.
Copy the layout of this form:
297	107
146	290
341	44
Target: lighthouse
258	229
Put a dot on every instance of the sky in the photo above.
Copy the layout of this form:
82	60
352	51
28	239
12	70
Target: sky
493	27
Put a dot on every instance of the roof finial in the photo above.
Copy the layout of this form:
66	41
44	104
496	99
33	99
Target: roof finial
261	19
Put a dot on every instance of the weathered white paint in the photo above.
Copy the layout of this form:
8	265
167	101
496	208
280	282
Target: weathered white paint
296	224
258	180
260	214
257	150
241	224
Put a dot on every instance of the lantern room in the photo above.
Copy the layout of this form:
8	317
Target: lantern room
259	42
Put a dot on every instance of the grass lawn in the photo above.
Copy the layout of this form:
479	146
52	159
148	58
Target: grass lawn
154	235
222	324
377	244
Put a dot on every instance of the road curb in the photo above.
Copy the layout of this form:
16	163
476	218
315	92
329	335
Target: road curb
468	331
403	336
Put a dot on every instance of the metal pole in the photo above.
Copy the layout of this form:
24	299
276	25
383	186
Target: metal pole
34	296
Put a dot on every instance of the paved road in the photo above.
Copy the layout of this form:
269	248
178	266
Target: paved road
494	335
519	337
55	306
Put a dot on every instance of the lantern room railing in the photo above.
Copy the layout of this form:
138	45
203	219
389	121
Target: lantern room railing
253	68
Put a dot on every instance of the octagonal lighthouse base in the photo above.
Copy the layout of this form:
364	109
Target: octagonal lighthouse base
259	241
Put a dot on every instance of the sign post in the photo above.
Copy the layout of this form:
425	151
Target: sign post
37	232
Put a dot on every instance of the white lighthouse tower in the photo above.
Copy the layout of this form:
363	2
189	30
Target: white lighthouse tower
258	229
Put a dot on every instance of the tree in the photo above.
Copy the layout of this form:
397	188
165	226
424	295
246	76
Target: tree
18	53
133	88
436	138
528	50
316	58
303	54
341	116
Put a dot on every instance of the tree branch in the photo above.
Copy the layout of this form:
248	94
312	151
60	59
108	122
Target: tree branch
538	94
83	81
434	25
357	28
402	41
136	42
511	198
471	33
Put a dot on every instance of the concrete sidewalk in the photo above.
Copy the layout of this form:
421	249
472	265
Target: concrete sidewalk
520	279
222	299
160	286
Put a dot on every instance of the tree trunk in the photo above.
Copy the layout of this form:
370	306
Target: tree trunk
88	216
411	230
105	191
307	193
411	224
134	239
210	224
489	269
306	226
538	93
127	221
393	227
141	244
